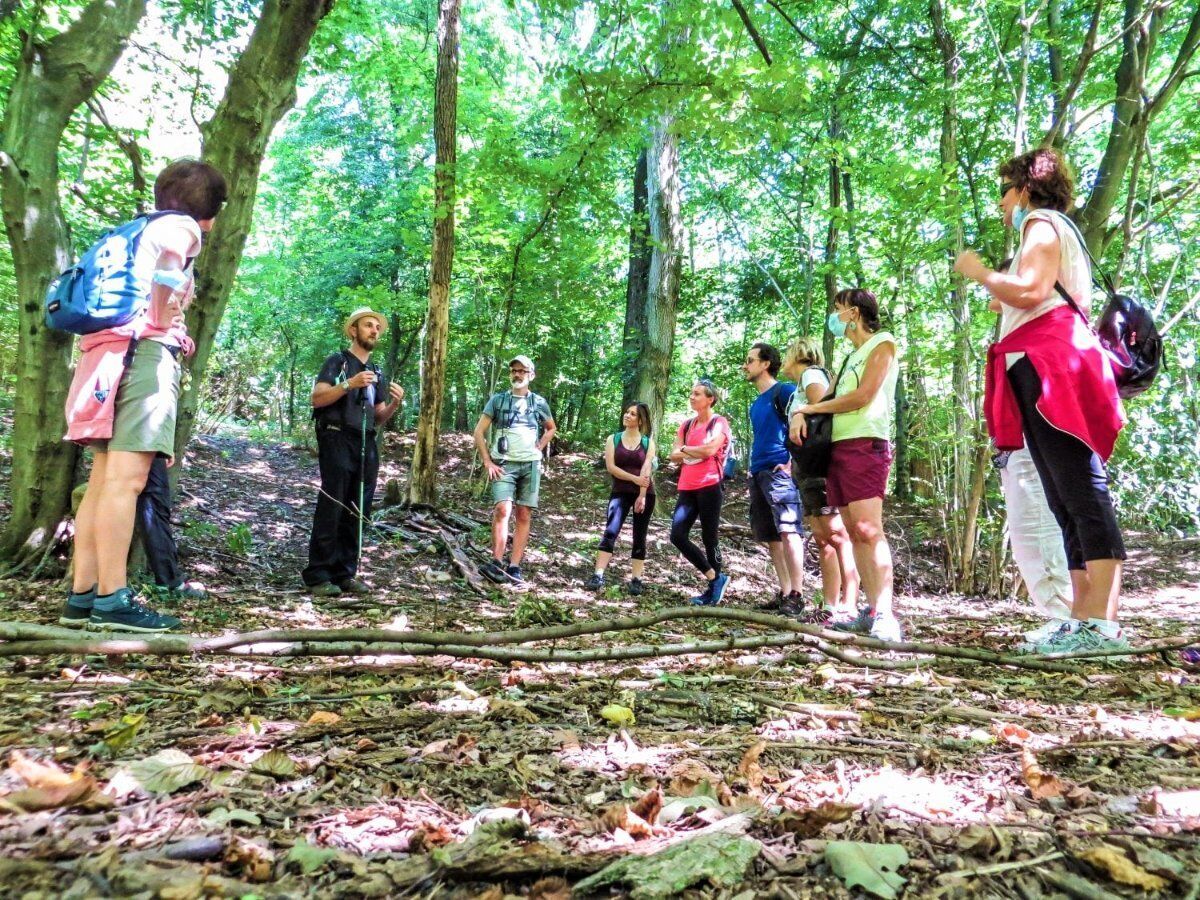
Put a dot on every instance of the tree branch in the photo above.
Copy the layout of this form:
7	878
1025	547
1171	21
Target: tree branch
754	35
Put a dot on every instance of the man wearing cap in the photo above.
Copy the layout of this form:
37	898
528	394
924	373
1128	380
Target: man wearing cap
521	426
348	406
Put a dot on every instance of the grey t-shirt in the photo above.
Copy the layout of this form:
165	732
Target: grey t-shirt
517	419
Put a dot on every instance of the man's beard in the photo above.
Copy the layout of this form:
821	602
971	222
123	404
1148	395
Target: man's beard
367	344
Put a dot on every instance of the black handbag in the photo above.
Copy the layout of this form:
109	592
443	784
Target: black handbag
811	458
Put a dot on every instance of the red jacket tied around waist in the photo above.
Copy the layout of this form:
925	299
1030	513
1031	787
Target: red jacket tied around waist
1079	394
92	399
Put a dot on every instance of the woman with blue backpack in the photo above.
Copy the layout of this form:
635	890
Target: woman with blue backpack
629	458
127	297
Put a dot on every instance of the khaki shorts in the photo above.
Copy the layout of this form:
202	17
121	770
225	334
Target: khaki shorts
519	483
147	401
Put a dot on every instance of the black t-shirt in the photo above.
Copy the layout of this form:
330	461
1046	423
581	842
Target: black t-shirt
347	412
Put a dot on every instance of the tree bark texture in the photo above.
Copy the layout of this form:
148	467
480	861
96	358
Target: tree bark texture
262	87
53	78
650	330
423	486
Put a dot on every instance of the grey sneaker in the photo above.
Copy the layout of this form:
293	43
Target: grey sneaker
595	583
886	628
325	589
130	615
860	624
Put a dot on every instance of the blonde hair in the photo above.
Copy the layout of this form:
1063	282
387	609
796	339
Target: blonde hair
805	350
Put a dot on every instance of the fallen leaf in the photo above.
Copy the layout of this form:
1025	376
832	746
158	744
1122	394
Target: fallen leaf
721	859
980	841
508	711
677	807
809	823
308	857
42	775
619	816
553	888
1041	784
167	771
1187	713
1113	862
275	762
618	715
323	717
749	767
1158	862
224	816
648	805
121	735
1011	733
690	777
869	866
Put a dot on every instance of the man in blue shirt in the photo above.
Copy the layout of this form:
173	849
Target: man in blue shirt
775	517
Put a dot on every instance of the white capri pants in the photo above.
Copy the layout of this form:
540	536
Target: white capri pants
1037	539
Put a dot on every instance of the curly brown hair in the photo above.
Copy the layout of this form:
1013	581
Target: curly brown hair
1047	176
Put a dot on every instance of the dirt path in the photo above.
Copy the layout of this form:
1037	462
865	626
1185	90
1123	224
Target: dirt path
391	775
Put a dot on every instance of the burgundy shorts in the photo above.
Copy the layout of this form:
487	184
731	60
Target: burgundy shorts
858	470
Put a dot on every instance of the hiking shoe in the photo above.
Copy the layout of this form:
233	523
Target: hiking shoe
635	588
353	586
325	589
188	590
1087	637
595	583
792	605
513	573
78	609
705	599
773	604
860	624
130	615
1064	627
1043	634
886	628
493	571
718	587
816	615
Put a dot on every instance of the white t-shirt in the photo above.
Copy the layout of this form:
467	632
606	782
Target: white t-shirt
812	375
158	235
1074	274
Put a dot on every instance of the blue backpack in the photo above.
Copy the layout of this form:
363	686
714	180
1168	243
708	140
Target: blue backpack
101	290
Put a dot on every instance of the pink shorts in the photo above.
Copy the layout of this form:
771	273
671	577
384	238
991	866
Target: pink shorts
858	470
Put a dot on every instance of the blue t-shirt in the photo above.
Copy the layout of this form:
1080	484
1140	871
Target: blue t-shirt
767	449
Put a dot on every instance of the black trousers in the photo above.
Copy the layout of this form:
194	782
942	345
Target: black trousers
619	508
705	505
1072	476
154	518
333	547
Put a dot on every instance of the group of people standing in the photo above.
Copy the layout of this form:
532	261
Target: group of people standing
1051	404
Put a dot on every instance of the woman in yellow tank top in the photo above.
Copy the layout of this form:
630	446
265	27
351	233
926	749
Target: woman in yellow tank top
863	408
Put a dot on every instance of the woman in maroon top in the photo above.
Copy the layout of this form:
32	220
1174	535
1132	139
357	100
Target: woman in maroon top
629	457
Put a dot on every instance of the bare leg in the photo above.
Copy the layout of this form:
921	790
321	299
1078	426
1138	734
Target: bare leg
500	514
524	517
779	561
864	520
840	538
1101	599
831	570
124	477
793	558
638	567
603	558
87	567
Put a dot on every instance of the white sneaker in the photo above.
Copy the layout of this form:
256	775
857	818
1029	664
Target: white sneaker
886	628
1038	635
1064	627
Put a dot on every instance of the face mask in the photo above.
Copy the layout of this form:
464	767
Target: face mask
1018	217
836	326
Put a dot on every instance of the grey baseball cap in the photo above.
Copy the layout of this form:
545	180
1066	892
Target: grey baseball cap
523	360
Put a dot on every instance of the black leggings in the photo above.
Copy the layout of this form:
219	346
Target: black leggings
704	504
1072	476
619	507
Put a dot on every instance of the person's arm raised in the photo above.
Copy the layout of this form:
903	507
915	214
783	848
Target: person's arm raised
1036	273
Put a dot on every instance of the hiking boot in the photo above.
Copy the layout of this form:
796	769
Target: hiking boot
514	574
353	586
635	588
860	624
129	615
771	605
494	571
78	609
792	605
188	590
325	589
886	628
1086	637
595	583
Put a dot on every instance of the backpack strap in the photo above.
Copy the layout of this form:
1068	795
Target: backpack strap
779	411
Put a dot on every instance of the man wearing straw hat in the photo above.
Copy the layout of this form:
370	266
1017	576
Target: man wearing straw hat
348	407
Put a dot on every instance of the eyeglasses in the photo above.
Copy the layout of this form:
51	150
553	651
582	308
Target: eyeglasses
518	371
1005	187
752	359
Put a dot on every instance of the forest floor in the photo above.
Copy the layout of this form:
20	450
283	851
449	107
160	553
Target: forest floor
739	774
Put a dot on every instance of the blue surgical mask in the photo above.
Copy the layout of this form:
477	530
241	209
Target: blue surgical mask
836	326
1019	214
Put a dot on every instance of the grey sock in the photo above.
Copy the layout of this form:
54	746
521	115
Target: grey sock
108	602
84	600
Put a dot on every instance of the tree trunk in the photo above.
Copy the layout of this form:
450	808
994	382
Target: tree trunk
462	423
651	329
832	230
637	285
262	87
52	79
423	486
